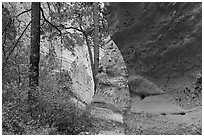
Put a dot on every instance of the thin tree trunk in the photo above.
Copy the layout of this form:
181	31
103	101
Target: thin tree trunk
34	53
90	57
96	41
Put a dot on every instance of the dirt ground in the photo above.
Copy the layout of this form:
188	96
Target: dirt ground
151	124
155	115
173	113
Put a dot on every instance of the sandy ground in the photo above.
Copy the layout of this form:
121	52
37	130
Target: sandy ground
155	115
174	113
160	115
164	114
150	124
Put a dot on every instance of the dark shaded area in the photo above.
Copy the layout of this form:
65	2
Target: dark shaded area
159	41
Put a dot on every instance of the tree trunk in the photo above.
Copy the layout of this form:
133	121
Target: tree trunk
34	53
96	41
90	57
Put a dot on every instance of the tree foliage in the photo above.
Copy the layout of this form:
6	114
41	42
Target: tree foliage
69	24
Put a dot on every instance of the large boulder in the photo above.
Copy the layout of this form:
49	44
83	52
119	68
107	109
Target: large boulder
143	87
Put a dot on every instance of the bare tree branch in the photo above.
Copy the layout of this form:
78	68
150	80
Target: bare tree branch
50	11
43	23
23	13
43	15
63	26
16	43
87	32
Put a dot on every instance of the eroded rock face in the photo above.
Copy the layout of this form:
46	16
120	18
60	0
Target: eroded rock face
159	41
106	114
82	85
112	88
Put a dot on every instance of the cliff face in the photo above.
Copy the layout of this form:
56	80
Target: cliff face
81	74
111	98
112	87
159	41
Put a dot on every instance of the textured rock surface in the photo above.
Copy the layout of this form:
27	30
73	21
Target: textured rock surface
112	94
80	71
143	87
82	85
78	66
159	41
112	85
107	114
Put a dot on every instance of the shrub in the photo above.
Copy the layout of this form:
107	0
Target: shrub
56	113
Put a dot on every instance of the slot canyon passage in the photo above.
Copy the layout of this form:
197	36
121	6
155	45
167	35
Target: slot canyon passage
149	80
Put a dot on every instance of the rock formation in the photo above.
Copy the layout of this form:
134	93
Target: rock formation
112	93
142	87
161	42
79	67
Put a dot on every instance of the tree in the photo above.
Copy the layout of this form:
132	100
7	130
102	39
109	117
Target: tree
15	30
77	17
34	52
96	41
77	23
27	68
